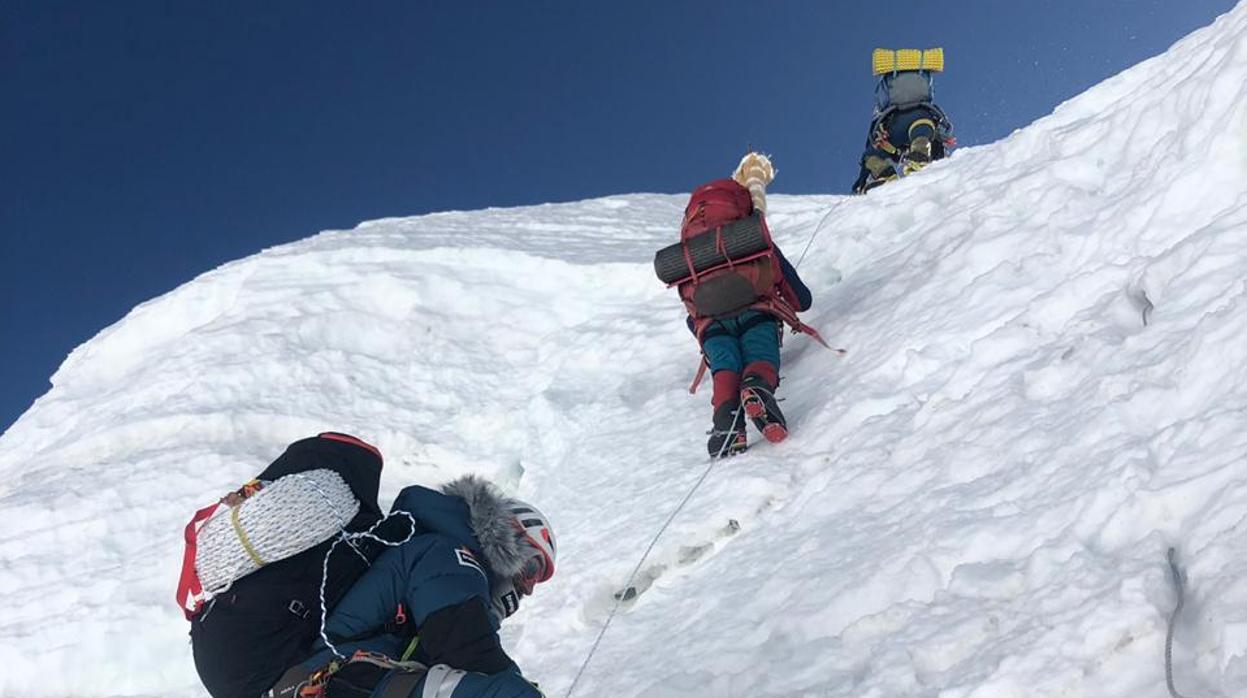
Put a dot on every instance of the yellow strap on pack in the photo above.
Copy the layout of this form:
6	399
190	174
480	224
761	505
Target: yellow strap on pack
887	60
411	649
242	538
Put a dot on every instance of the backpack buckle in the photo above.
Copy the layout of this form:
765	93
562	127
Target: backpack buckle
298	609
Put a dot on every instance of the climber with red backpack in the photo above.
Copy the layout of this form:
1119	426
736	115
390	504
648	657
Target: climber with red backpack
739	291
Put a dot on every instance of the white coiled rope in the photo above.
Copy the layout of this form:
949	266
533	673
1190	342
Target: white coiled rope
284	518
344	536
292	514
349	538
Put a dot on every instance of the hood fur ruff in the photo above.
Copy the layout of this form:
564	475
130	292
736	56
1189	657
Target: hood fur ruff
490	516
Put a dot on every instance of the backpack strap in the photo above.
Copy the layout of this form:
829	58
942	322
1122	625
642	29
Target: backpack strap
879	127
190	592
403	676
243	539
688	260
402	684
701	373
700	330
775	307
442	681
784	312
348	439
879	132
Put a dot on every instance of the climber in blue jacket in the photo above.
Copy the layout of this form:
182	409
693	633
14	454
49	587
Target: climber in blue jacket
424	619
908	130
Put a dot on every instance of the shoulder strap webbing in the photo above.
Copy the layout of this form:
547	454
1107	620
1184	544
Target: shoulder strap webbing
401	684
701	373
442	681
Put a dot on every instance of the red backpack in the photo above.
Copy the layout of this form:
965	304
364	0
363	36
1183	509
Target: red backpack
725	262
731	265
713	204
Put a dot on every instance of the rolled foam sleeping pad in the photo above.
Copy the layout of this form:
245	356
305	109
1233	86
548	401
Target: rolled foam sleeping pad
741	238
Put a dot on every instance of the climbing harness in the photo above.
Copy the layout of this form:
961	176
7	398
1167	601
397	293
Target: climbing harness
302	683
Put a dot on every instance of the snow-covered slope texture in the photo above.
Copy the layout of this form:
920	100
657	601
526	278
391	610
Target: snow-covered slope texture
1045	388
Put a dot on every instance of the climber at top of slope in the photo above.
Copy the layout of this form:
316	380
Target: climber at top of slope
908	130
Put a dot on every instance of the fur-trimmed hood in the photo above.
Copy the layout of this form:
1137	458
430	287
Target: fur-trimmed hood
489	513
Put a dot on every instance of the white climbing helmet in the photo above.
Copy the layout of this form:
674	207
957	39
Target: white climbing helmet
538	534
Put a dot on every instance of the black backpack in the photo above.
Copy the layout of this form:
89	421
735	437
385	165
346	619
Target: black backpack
267	621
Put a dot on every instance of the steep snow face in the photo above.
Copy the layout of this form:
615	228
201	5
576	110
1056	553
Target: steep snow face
1045	388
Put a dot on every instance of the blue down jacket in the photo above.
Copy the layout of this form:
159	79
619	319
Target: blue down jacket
444	591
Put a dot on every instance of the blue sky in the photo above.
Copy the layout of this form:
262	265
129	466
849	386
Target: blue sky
144	143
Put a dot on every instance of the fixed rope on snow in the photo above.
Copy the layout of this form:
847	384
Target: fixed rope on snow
619	598
830	210
817	229
1178	581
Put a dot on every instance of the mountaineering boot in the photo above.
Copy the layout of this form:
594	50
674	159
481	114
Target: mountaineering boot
755	172
919	155
727	437
758	397
881	170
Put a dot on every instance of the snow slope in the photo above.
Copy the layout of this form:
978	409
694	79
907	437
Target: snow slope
1045	388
